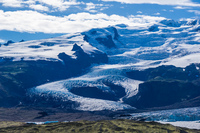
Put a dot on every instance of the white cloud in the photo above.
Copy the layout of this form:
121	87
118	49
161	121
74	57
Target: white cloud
180	7
2	41
39	7
105	7
160	2
12	3
157	13
197	12
33	21
61	5
91	7
139	12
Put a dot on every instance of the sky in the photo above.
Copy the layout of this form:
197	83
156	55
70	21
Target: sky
40	19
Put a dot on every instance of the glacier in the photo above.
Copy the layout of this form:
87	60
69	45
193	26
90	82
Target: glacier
128	48
58	90
184	114
172	42
185	117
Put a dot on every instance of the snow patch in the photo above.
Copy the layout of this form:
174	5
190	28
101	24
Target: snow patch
185	124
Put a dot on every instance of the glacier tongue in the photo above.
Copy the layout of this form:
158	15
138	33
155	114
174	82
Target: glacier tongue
186	117
185	114
59	90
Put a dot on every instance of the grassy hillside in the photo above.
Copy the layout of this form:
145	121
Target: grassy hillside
118	126
5	124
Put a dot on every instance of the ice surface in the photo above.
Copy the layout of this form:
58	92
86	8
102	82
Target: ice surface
47	49
186	117
185	124
135	47
175	43
60	90
185	114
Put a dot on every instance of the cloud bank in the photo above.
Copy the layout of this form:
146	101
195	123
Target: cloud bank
33	21
159	2
197	12
52	5
60	5
2	41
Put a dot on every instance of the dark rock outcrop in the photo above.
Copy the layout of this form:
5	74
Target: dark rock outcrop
116	93
171	23
107	41
163	93
83	59
116	34
48	43
189	73
153	28
8	42
166	86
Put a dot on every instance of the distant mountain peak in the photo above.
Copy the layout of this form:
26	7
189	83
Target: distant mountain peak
8	42
76	48
194	22
171	23
22	40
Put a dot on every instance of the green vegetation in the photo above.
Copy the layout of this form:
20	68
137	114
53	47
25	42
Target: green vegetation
16	77
106	126
5	124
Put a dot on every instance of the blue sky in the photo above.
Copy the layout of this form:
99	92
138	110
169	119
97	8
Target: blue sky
38	19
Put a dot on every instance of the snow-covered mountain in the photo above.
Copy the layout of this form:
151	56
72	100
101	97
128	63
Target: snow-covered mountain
112	68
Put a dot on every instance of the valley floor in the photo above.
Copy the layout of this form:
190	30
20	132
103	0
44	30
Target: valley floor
50	114
84	121
128	126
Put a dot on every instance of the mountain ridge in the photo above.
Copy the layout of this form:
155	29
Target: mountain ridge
115	62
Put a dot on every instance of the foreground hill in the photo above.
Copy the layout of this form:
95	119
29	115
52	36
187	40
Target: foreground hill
105	126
